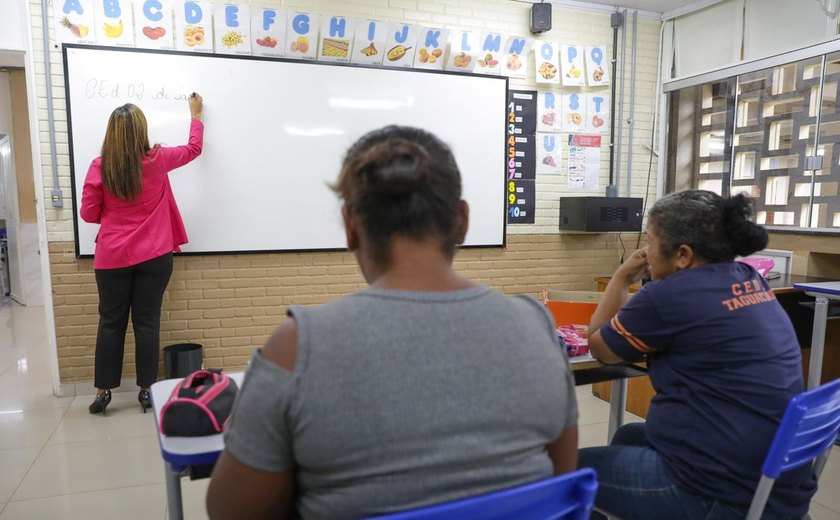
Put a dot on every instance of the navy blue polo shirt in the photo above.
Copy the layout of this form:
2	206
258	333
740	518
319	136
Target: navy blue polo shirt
724	360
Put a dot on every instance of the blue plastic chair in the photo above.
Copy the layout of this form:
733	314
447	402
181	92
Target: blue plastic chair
807	431
568	496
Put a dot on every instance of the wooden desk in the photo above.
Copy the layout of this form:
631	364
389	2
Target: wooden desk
640	391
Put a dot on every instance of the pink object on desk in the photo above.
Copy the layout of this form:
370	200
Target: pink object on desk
575	338
760	264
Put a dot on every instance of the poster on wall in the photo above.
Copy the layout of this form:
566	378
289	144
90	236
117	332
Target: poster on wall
489	54
516	50
571	64
301	36
549	118
521	202
584	162
114	23
336	39
401	45
153	25
597	113
521	127
74	21
547	62
369	44
232	27
268	32
193	26
597	71
574	112
431	47
548	152
463	47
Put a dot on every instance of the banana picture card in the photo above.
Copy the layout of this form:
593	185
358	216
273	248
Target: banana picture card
336	39
400	46
463	49
597	69
571	64
232	24
369	44
431	47
153	25
74	21
547	62
302	36
194	26
268	32
114	23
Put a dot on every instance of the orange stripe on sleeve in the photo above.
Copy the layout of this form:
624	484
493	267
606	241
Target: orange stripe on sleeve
635	342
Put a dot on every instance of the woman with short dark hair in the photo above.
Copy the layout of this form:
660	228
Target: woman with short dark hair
724	360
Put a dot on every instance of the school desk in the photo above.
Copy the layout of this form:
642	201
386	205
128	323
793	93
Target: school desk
822	292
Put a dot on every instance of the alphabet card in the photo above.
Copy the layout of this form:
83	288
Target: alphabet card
268	32
369	44
463	48
489	54
114	17
431	45
336	39
302	36
401	45
233	29
513	56
597	70
73	20
547	62
193	26
548	153
597	113
574	113
153	25
549	112
571	63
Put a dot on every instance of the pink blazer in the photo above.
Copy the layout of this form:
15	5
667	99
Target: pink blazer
132	232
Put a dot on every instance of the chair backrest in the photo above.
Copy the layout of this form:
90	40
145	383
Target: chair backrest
808	429
571	307
568	496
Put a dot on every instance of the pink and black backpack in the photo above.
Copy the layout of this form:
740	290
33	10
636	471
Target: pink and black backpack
199	405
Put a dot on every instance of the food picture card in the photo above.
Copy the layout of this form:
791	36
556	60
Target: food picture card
369	44
153	25
232	29
547	62
268	32
336	39
597	69
463	47
571	64
74	21
431	47
401	45
513	56
549	112
489	54
301	36
597	113
114	21
574	113
548	153
194	26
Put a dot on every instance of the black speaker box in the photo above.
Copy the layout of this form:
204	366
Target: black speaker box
540	18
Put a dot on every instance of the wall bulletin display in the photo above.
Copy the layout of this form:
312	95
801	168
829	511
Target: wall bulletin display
574	113
369	45
571	65
272	146
584	162
153	25
521	156
302	36
597	113
548	152
268	32
401	45
194	27
336	39
431	45
597	69
232	29
548	62
549	112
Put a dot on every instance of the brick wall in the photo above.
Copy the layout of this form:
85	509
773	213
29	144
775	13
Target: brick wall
230	303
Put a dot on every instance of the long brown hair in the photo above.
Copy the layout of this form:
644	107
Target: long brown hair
125	145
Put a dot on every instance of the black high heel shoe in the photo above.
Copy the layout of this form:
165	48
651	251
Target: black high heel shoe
145	399
100	403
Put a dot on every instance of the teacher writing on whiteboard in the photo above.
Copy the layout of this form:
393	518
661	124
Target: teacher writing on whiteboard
127	192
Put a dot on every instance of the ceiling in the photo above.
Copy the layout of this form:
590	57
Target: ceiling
667	8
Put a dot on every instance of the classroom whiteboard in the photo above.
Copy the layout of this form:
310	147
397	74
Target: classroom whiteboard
275	134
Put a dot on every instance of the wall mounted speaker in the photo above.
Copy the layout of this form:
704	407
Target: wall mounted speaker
540	18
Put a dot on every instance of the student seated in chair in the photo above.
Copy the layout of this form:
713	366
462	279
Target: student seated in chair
421	389
724	361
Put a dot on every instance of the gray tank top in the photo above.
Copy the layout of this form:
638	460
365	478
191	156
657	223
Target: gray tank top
404	399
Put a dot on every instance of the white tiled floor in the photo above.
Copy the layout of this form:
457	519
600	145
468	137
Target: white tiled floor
59	462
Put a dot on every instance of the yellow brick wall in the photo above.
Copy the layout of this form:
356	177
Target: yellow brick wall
231	303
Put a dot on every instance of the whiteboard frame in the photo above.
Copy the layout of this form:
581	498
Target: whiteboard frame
503	179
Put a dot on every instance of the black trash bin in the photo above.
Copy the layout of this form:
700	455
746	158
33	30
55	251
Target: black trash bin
182	359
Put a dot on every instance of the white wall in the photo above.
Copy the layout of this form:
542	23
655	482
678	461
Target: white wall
11	31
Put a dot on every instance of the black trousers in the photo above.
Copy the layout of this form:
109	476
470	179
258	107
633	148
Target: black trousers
137	289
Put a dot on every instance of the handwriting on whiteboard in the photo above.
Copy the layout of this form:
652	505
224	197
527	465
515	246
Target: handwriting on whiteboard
109	89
